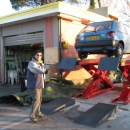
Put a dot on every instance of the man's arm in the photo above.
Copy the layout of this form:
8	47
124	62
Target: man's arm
32	66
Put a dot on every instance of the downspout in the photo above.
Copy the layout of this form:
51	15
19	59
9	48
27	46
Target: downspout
60	47
1	57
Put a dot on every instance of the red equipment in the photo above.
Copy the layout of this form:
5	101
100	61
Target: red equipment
99	84
124	67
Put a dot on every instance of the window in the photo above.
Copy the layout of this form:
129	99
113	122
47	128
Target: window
105	25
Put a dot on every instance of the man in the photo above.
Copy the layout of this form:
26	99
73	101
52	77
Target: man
35	84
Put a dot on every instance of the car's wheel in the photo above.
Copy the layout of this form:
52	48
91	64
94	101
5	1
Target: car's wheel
82	56
119	50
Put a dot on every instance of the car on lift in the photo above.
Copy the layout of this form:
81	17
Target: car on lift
106	37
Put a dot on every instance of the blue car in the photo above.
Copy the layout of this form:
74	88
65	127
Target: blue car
107	37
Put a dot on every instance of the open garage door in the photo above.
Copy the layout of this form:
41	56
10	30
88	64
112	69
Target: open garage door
24	39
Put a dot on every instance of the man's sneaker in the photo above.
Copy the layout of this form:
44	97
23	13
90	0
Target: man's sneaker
34	119
41	115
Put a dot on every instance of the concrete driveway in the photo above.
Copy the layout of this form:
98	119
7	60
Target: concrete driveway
14	117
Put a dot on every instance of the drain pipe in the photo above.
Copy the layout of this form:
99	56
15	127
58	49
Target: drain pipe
60	46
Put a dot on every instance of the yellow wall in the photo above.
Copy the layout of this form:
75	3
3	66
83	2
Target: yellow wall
69	30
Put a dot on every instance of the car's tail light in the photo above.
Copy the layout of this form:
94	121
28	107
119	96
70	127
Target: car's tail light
77	38
110	34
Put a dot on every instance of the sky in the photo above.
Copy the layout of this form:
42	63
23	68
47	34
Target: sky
5	8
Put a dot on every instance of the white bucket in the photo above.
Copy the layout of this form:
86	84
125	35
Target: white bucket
25	83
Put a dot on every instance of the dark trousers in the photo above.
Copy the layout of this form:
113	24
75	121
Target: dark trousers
36	101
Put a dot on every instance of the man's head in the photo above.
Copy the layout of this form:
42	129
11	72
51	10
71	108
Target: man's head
38	55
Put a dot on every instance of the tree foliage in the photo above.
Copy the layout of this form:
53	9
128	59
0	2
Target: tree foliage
123	7
92	4
19	4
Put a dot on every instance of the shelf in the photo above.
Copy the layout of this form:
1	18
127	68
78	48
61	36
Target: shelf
10	55
9	60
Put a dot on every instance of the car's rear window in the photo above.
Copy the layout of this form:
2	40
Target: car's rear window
97	26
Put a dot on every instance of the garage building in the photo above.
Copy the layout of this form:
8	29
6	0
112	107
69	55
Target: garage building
46	27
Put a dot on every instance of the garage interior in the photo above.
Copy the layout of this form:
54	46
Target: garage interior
18	51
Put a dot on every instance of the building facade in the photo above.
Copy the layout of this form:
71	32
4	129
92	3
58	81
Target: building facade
46	27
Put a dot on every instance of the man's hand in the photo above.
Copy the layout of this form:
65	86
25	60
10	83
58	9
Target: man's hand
47	71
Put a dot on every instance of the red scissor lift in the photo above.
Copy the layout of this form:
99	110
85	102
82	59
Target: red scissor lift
124	96
100	83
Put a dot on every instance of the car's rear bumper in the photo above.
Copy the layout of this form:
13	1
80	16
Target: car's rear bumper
104	43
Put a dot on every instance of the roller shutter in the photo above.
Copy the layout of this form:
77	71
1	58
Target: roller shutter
23	39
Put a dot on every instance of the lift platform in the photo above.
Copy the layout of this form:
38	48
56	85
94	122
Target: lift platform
124	96
100	83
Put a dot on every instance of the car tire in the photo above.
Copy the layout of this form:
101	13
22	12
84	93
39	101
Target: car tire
119	50
82	56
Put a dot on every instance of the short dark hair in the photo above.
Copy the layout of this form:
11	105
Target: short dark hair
38	51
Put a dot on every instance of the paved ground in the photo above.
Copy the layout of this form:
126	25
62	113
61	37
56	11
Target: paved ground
16	117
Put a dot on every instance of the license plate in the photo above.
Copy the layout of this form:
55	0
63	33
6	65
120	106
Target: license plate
92	38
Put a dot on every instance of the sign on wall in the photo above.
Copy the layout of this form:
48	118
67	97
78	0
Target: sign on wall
51	55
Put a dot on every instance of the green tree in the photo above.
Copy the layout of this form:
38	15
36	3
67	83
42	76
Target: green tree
19	4
92	4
